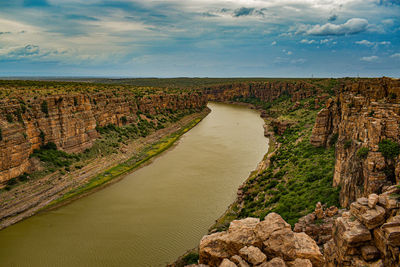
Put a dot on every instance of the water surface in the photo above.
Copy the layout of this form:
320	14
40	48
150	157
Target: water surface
153	215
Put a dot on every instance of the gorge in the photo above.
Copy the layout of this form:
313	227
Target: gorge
333	141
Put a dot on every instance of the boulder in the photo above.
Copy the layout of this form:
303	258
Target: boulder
275	262
331	211
348	234
272	222
252	255
369	253
227	263
372	200
300	263
214	248
306	248
370	217
239	261
319	212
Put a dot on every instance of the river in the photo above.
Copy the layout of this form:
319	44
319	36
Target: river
156	213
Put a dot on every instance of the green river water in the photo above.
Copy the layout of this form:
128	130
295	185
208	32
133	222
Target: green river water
156	213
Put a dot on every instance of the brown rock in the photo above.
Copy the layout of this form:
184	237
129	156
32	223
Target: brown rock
319	212
370	217
213	249
239	261
362	201
227	263
372	200
306	248
252	255
369	253
275	262
332	211
300	263
272	222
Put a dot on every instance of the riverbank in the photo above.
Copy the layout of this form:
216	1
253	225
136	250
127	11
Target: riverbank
59	189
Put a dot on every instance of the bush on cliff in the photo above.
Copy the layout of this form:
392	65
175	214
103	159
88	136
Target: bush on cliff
57	158
389	148
44	107
362	153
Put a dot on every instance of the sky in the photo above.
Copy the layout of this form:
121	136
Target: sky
200	38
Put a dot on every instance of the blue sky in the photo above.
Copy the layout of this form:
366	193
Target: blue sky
200	38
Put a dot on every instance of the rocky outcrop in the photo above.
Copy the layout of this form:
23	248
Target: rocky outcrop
318	225
364	113
70	120
367	235
249	242
264	91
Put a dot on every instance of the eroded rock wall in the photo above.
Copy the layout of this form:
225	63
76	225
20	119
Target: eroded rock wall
70	120
265	91
363	113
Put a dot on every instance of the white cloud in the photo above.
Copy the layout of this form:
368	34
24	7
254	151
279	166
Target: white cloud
273	43
305	41
365	42
369	59
324	41
396	55
352	26
289	53
368	43
298	61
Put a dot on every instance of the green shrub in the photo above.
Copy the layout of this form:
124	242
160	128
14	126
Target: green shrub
333	139
124	120
56	158
42	136
191	258
23	108
44	107
389	148
9	118
347	143
362	153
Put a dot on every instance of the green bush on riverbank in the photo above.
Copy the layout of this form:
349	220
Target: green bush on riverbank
299	175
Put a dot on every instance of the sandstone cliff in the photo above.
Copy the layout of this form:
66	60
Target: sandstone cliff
361	116
70	120
264	91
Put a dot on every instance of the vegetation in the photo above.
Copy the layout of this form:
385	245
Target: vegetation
191	258
44	107
389	148
362	153
299	174
347	143
9	118
54	158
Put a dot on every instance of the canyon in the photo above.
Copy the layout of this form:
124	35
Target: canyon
345	155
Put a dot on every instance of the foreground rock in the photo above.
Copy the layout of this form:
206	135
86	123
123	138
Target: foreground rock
249	242
368	234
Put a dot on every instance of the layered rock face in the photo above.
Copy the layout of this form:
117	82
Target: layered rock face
249	242
70	120
361	115
265	91
368	234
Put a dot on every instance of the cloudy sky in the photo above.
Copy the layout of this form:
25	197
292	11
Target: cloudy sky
202	38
